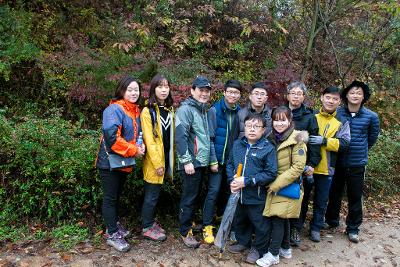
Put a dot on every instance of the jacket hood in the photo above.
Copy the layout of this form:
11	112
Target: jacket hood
356	83
266	109
326	114
259	144
126	105
302	137
225	106
301	111
190	101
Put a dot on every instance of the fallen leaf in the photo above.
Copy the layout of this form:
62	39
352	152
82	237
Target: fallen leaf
66	257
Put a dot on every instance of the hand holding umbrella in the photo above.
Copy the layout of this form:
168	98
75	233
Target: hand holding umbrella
226	222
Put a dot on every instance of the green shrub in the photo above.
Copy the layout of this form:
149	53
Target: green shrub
15	44
47	168
183	72
382	176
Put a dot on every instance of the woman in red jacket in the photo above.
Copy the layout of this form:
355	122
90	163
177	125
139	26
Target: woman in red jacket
120	127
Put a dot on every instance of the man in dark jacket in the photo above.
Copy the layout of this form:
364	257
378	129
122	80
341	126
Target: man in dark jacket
258	157
257	105
304	120
224	125
350	167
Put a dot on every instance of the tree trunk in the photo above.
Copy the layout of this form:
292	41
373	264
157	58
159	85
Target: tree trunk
310	40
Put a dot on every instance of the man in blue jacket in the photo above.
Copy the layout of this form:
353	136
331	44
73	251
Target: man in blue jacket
350	167
224	128
258	157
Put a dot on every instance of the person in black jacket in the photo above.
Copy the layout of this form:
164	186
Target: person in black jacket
304	120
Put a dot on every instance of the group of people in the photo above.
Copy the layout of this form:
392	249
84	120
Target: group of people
323	151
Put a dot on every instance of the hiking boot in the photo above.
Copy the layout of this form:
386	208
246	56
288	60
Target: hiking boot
315	236
153	234
208	235
268	260
190	241
285	253
353	237
158	227
253	256
295	237
118	242
237	248
122	230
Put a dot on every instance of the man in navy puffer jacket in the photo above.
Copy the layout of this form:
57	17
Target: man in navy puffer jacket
350	167
224	128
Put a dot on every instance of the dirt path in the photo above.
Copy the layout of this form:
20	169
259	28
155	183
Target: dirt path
379	246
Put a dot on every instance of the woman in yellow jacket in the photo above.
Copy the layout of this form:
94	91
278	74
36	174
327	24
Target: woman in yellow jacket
291	146
158	135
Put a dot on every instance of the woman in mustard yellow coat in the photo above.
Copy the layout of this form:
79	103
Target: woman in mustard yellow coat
291	146
157	121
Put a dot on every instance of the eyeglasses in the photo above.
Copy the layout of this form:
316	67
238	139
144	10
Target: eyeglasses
259	94
232	93
255	127
296	93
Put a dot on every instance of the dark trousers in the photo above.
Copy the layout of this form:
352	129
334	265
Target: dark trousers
112	183
191	185
249	220
321	188
216	183
224	193
280	234
151	195
353	178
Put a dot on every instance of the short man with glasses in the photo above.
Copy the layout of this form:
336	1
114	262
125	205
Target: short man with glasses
304	120
224	128
258	157
350	168
257	105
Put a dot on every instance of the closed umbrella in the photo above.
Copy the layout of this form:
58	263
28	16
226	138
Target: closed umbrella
225	227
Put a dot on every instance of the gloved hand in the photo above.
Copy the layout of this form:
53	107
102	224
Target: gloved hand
317	140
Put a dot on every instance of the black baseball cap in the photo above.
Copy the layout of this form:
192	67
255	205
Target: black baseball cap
201	82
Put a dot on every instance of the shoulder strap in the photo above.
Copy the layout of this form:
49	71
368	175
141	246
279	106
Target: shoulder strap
153	117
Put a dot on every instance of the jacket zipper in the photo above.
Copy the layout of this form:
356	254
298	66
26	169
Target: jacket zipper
226	139
244	169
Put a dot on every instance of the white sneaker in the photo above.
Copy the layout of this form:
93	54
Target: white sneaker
267	260
285	253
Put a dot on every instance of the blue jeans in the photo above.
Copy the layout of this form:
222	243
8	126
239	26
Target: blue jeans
214	185
151	195
321	185
191	185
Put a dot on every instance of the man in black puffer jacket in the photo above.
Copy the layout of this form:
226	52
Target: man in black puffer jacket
304	120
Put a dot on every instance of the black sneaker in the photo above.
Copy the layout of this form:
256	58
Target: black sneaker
295	237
